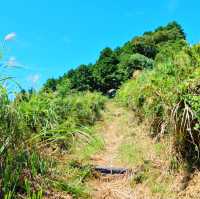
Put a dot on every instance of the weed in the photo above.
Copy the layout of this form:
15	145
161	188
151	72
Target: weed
170	87
42	119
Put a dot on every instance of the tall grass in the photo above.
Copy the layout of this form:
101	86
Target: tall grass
168	96
27	125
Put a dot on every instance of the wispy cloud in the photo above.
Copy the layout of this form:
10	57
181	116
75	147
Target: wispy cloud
10	36
12	63
34	78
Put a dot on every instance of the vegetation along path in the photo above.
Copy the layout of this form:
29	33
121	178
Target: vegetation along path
128	145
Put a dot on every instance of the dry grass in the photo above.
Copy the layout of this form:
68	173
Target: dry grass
56	195
128	144
112	187
193	189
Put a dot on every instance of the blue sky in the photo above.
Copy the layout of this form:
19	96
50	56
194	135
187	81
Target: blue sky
55	36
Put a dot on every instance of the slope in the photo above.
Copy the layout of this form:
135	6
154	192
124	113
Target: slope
127	144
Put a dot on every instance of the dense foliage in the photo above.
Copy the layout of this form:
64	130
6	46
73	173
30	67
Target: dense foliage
114	67
29	123
166	91
168	96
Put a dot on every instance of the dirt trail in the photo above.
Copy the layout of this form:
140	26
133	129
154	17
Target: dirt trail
128	145
119	127
112	130
112	134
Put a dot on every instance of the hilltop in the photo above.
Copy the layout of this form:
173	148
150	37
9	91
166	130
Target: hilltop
52	139
114	67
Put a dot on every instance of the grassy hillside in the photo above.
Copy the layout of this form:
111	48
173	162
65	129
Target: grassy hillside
48	134
36	130
168	96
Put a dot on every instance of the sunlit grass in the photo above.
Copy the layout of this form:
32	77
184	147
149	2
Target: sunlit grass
44	122
131	154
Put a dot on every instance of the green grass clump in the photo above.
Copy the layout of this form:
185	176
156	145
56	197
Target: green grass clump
131	154
168	96
42	120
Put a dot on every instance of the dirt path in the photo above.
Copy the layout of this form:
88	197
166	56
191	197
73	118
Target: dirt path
119	129
128	144
113	130
112	134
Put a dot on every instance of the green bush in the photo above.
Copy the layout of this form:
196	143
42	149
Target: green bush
27	123
168	96
114	67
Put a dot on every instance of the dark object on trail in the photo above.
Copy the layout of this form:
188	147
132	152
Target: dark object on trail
110	170
111	93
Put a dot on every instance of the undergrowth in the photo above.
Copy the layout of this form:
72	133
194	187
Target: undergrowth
168	96
32	127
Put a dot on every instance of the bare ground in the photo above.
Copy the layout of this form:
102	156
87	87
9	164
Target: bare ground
113	131
128	145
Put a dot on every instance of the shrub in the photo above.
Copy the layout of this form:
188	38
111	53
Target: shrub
28	123
170	89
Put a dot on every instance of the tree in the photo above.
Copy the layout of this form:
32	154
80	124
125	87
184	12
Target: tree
151	42
113	67
130	63
64	88
81	79
105	71
50	85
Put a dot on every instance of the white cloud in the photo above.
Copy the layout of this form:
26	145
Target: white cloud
34	78
12	63
10	36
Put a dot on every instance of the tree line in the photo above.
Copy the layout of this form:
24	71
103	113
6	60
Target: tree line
113	67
